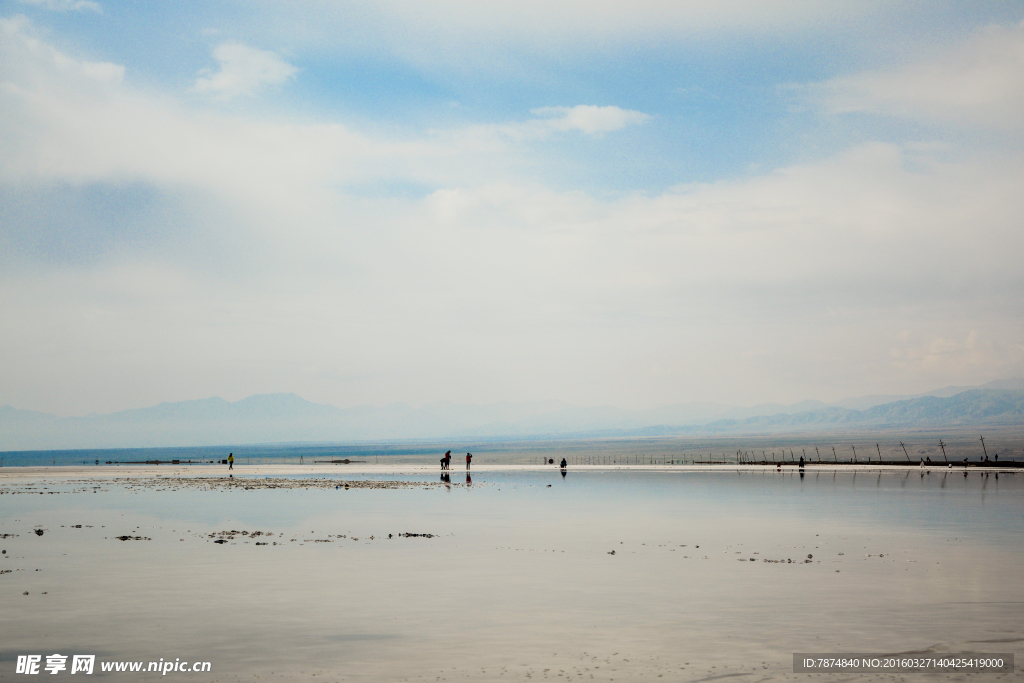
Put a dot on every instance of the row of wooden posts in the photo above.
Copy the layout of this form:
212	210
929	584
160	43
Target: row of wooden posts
741	457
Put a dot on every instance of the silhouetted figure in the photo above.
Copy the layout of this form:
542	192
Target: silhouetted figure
469	460
231	461
801	463
448	460
563	464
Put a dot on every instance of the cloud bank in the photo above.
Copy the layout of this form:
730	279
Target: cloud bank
980	83
154	251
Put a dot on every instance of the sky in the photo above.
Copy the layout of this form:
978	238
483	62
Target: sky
604	203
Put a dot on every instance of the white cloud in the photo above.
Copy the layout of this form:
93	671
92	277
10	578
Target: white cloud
65	5
243	70
590	119
981	83
103	71
585	118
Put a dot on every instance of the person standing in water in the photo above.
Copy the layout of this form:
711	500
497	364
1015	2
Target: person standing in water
469	460
231	461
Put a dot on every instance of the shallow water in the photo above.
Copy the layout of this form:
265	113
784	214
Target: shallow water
518	581
822	447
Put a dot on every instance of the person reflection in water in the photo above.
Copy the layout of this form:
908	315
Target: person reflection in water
446	479
469	479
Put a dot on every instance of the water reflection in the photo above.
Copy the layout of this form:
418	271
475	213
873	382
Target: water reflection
352	594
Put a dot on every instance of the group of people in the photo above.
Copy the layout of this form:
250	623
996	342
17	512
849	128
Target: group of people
446	461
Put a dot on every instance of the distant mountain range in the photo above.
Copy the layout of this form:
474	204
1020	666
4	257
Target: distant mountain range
282	418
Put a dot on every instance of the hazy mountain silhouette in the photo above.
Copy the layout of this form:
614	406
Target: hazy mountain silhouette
279	418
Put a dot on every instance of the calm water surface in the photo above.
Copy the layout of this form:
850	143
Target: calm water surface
620	575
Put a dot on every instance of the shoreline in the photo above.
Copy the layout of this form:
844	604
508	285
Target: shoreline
271	470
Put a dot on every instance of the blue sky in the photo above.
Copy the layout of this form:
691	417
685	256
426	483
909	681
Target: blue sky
604	203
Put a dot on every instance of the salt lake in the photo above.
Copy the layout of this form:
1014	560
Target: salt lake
502	574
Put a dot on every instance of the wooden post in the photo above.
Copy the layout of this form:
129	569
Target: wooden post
879	454
943	447
983	447
905	451
818	452
834	454
854	453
